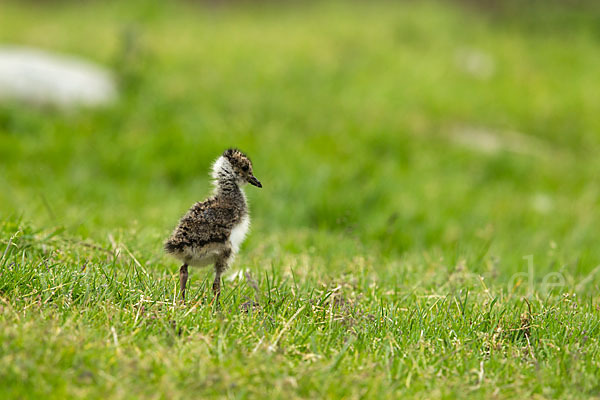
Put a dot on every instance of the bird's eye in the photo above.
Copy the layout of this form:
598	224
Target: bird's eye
245	168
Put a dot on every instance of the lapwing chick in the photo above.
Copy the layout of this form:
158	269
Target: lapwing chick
212	231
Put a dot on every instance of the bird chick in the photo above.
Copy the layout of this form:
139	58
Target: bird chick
212	231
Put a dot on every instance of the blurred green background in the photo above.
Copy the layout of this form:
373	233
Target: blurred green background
405	126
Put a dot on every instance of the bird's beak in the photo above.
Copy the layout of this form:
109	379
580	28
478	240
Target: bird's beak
254	181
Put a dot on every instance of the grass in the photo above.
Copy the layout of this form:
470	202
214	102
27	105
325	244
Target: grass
427	226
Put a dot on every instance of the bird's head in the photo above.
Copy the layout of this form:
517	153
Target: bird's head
234	164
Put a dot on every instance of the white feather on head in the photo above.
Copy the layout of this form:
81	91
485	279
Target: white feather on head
221	168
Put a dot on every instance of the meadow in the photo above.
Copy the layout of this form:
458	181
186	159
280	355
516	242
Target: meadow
427	226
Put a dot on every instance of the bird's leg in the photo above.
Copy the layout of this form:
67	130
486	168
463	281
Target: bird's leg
217	287
183	277
220	267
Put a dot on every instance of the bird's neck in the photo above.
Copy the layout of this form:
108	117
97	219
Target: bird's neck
227	186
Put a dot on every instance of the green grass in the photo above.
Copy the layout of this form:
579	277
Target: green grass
415	159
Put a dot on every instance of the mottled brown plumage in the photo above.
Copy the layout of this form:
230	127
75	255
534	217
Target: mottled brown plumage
212	230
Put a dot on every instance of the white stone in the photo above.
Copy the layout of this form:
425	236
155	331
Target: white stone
476	63
492	141
40	77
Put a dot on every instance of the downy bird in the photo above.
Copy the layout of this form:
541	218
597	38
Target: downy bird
212	231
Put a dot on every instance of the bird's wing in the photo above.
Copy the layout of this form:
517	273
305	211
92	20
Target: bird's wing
204	223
